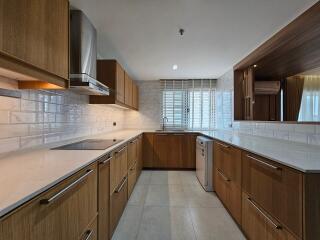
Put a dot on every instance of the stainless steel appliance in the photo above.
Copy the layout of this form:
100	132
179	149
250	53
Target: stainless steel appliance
90	144
83	56
204	162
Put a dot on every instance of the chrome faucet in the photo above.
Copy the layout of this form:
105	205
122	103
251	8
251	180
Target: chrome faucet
164	118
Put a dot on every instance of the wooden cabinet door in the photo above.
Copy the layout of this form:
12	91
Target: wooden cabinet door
118	202
128	90
92	232
257	224
174	150
189	151
62	213
148	150
115	172
160	145
120	84
276	188
104	196
227	172
132	152
135	95
132	177
37	32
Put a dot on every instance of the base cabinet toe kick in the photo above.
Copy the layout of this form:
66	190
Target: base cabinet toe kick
266	199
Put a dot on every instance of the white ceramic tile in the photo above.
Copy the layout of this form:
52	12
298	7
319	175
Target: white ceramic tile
9	144
4	117
7	103
13	130
31	141
305	128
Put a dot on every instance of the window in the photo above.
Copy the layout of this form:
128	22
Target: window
188	104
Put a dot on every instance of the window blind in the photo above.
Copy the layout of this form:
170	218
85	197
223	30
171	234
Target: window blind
188	104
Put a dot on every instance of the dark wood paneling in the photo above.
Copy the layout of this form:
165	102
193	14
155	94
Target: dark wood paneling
147	150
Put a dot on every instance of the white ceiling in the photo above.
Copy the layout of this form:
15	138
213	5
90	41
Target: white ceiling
143	34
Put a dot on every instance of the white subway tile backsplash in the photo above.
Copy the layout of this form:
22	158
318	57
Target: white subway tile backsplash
41	117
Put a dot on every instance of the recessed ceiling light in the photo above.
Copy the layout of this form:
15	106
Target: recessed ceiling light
175	67
255	65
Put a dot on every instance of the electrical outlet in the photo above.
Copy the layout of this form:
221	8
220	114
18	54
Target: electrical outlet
114	123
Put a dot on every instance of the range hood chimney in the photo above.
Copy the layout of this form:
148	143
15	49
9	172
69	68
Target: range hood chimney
83	56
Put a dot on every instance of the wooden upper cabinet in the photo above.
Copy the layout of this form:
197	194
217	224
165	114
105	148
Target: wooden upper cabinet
34	41
119	88
135	96
123	91
128	90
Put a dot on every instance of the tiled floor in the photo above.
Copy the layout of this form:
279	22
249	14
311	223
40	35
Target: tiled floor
171	205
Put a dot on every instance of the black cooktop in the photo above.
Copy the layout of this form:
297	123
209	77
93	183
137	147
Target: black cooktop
90	144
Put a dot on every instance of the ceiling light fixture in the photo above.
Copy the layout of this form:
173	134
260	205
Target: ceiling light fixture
175	67
255	65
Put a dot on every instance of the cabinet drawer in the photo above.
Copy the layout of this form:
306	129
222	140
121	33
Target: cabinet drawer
132	177
229	193
228	161
276	188
118	167
62	213
91	233
257	224
132	152
118	202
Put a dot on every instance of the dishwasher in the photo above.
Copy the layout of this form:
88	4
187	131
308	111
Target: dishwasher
204	162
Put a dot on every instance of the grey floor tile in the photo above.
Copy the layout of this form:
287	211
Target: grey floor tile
144	178
138	195
166	223
165	177
166	195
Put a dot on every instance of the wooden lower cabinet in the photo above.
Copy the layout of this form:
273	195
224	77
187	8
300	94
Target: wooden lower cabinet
104	197
132	152
139	160
118	201
92	232
62	213
227	177
118	167
132	178
147	150
277	188
257	224
170	150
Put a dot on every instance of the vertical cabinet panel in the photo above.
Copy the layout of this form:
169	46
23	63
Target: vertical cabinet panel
37	32
104	196
135	96
132	152
189	151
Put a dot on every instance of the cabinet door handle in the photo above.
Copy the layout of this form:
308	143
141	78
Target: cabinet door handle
121	150
223	145
178	134
121	186
66	189
162	134
223	176
133	141
263	163
105	161
88	235
276	226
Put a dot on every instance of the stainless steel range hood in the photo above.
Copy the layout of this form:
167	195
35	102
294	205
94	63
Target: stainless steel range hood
83	56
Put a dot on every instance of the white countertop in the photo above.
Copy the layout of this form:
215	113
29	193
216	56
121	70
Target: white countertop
26	174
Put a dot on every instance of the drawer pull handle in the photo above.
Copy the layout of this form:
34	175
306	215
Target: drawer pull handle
88	235
134	141
264	163
121	186
263	214
223	176
105	161
223	145
66	189
121	150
